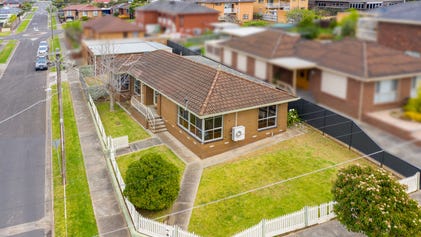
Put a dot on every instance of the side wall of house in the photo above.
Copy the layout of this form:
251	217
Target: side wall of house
188	23
245	118
144	18
399	36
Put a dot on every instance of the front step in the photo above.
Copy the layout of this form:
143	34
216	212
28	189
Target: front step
157	125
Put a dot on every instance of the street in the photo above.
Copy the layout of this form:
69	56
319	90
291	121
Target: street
24	198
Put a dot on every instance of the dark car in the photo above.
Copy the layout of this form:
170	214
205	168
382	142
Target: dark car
41	63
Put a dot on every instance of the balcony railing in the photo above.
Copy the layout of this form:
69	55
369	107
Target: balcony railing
277	5
270	17
230	10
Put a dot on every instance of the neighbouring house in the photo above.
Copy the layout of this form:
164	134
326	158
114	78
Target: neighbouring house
122	11
6	13
276	10
13	3
175	17
351	76
361	5
94	51
110	27
236	11
208	108
77	11
397	26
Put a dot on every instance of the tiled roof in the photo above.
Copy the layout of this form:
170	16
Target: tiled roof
354	57
177	7
208	91
367	59
267	44
408	11
81	7
109	24
223	1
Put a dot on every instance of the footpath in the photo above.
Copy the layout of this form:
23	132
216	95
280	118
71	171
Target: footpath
109	217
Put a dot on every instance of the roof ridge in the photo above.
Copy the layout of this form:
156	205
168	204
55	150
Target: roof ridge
276	45
205	103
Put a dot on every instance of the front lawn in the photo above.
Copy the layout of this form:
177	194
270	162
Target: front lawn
124	162
80	215
7	50
22	27
291	158
119	123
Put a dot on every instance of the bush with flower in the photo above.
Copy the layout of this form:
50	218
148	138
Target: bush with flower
371	202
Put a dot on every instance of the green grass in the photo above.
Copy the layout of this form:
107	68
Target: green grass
22	27
29	16
34	9
284	160
7	50
54	22
119	123
81	220
124	162
3	34
53	48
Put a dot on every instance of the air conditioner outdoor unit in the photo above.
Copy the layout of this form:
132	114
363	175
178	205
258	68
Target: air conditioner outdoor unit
238	133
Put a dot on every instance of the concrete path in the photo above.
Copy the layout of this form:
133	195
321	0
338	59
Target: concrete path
328	229
139	145
109	217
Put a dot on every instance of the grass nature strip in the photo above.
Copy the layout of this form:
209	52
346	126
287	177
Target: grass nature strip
80	215
7	51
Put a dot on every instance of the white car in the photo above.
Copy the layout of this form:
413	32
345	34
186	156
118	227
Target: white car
43	43
42	51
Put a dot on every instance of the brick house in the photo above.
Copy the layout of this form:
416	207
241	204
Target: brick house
399	27
176	17
110	27
122	10
231	10
361	5
276	10
351	76
77	11
209	109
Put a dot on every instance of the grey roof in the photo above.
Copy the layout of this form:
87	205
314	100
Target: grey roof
409	11
176	7
11	10
123	46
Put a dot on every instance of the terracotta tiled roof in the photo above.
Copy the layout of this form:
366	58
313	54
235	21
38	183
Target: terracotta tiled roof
109	24
267	44
351	56
367	59
208	91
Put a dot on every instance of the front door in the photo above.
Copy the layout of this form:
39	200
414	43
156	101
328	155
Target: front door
302	79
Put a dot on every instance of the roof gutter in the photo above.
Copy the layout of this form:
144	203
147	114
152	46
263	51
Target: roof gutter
411	22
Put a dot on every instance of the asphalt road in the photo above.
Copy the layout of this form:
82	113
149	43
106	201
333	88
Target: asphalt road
23	193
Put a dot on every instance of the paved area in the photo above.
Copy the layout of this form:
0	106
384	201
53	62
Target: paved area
109	217
328	229
139	145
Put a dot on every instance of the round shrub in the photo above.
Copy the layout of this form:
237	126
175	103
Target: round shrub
371	202
152	183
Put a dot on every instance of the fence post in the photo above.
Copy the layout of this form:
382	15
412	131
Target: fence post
418	180
350	139
324	122
382	160
306	216
263	225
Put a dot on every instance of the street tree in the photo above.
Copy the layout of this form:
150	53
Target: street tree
370	201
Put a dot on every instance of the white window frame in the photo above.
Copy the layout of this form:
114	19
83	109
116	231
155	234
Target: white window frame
260	68
84	13
69	13
385	91
95	13
242	62
334	84
137	86
187	117
155	97
267	118
227	57
415	85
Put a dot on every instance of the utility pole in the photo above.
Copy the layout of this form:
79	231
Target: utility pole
52	30
60	108
62	144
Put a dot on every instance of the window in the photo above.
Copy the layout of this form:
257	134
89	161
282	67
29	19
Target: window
415	86
386	91
267	117
227	57
69	13
205	130
260	69
84	13
334	84
138	87
122	82
125	34
245	16
261	1
95	13
155	97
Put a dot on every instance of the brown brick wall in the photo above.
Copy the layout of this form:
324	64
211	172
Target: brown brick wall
145	18
399	36
234	60
193	21
246	118
250	65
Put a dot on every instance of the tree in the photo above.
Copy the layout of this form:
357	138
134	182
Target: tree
349	23
370	201
152	183
413	107
26	6
302	17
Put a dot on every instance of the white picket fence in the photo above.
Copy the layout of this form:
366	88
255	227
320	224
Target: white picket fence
294	221
412	183
290	222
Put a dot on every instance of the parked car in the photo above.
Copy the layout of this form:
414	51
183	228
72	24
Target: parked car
41	63
43	43
42	51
